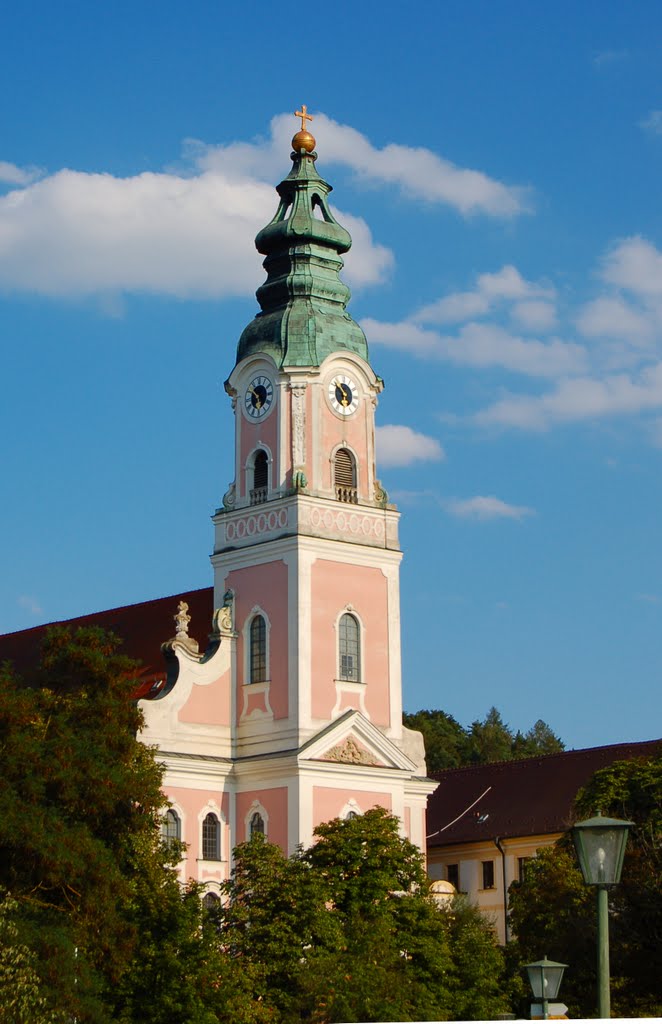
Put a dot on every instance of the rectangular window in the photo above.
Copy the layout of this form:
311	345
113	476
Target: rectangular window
488	874
521	867
347	669
453	875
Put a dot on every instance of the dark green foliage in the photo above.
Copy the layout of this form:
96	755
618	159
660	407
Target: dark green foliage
346	931
450	745
102	931
554	912
446	741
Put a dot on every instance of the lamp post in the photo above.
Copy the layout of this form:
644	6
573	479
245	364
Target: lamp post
600	845
545	981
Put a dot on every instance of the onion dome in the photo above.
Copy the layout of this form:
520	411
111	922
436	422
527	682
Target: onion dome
303	316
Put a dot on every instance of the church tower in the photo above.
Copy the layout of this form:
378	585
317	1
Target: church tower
300	689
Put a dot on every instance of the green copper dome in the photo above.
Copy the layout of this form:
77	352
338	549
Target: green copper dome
303	300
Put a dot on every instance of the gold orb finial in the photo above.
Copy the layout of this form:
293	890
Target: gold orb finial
303	139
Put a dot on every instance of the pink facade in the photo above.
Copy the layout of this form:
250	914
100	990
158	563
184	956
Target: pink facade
251	437
330	803
210	704
263	588
363	590
272	804
192	805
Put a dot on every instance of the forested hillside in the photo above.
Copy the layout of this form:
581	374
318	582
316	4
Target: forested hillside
450	745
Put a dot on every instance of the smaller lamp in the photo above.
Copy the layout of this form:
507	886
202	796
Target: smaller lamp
545	981
600	845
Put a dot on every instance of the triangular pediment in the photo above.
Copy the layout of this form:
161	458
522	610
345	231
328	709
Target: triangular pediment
353	740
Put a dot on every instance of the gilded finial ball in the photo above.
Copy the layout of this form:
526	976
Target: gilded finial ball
303	140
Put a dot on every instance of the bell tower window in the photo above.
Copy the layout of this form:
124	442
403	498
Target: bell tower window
260	488
344	476
258	650
349	649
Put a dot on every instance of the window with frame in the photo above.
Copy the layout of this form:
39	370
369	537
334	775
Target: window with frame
210	901
211	838
257	668
521	867
488	874
344	476
256	826
171	827
349	649
453	875
260	488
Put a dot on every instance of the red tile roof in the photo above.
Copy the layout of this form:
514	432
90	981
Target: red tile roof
142	628
512	799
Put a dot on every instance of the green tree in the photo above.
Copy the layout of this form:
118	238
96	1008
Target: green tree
22	997
490	740
449	745
539	739
106	926
554	912
347	931
446	741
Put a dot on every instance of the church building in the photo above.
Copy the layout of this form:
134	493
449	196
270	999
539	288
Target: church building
291	713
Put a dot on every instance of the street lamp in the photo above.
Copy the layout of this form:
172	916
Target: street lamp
545	981
600	845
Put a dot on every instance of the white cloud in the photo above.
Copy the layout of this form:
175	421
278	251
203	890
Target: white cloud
453	308
481	346
579	399
10	174
367	262
77	234
506	284
652	122
636	265
402	446
188	231
417	172
486	507
647	598
613	317
30	604
534	315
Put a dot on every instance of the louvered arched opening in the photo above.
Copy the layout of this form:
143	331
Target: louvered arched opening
260	488
344	476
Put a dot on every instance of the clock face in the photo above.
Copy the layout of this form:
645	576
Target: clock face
343	394
258	398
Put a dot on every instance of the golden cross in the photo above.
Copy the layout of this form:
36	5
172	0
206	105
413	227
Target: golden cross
304	115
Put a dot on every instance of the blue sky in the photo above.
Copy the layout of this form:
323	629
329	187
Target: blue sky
498	166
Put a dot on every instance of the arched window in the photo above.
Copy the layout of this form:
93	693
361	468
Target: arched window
349	649
210	900
171	827
260	488
257	669
256	825
344	476
211	838
351	815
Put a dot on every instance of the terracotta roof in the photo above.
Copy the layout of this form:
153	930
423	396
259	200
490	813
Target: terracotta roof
142	628
533	796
